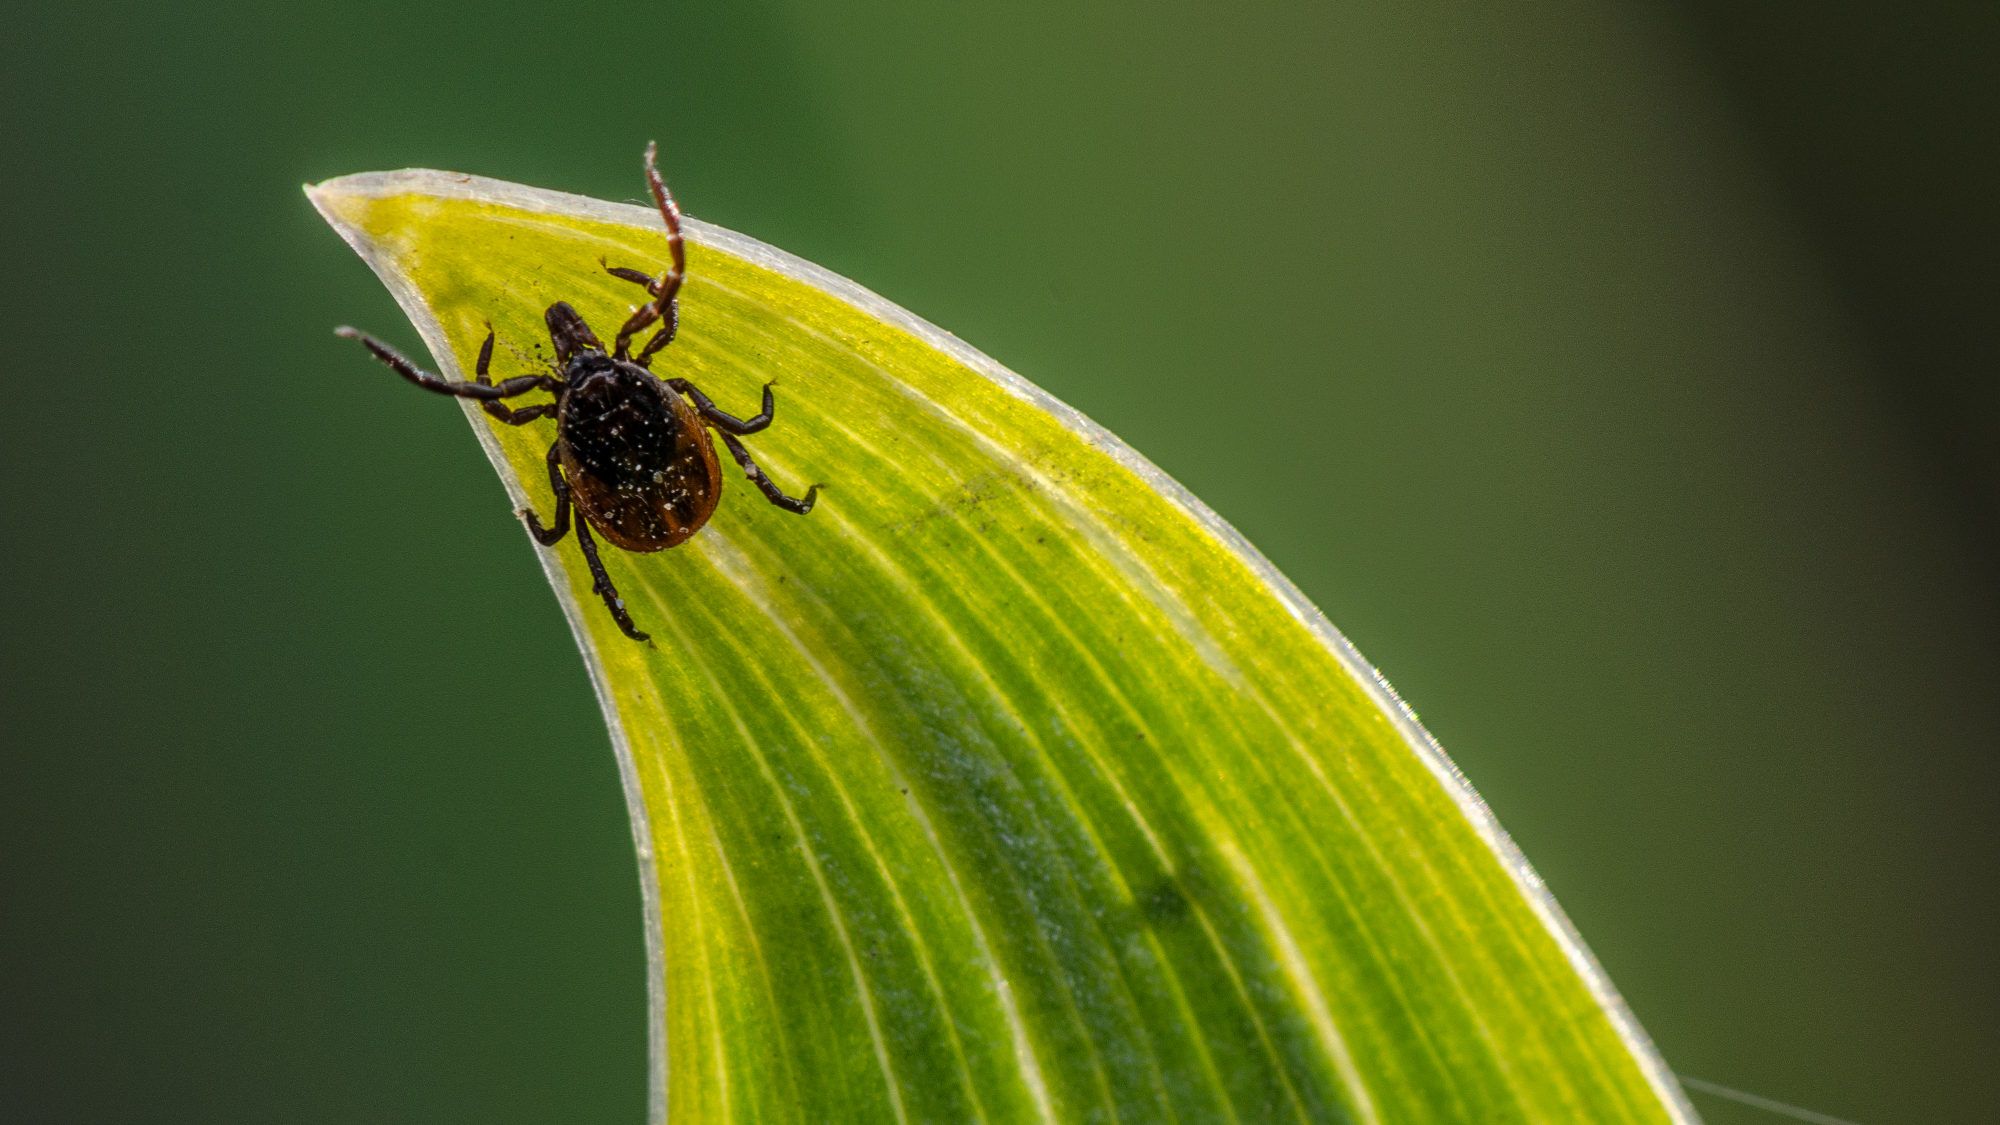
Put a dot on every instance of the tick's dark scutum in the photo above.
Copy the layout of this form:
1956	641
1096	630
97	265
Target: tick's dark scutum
637	458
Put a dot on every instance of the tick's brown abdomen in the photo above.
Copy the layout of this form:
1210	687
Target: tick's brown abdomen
640	465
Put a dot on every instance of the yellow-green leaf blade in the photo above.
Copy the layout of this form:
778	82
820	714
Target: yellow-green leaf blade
1008	784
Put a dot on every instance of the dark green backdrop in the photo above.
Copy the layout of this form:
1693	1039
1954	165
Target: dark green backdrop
1618	375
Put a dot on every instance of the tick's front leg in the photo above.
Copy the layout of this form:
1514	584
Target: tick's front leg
519	385
501	410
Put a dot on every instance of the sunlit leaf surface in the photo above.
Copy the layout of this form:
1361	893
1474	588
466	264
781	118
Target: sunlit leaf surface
1009	784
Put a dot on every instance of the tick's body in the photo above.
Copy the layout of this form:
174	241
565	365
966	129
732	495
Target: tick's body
638	460
632	450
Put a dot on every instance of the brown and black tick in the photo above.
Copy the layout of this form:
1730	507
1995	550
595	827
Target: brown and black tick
632	450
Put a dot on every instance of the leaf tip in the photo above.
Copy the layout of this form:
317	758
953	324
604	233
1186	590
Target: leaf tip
333	199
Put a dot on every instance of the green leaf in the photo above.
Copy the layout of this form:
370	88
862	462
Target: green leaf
1010	783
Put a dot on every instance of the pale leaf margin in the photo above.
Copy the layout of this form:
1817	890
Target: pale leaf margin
479	189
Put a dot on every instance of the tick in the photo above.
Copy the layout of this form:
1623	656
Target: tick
632	452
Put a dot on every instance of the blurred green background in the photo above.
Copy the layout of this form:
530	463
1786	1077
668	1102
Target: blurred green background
1619	376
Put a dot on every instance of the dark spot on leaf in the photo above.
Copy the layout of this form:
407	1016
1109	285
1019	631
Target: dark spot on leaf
1163	903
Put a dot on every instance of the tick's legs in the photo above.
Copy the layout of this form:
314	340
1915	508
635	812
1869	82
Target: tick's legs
663	337
724	421
519	385
522	416
763	483
663	289
601	583
501	410
672	315
550	536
